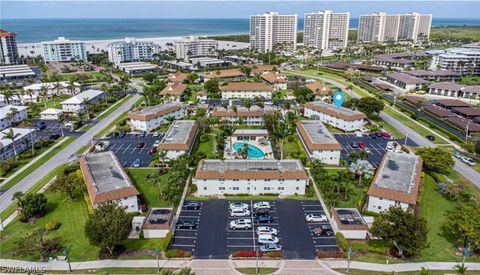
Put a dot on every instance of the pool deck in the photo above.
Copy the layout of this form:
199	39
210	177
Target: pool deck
230	153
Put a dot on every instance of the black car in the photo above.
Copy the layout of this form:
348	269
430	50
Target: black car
192	205
430	137
186	224
379	134
373	135
354	144
261	211
41	126
263	219
122	134
323	230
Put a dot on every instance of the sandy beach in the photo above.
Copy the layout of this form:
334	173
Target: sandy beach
94	46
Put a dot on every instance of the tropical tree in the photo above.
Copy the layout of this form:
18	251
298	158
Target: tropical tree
11	135
362	168
461	269
435	159
11	115
162	155
44	94
8	94
30	205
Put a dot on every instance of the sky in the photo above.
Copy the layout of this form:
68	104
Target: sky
225	8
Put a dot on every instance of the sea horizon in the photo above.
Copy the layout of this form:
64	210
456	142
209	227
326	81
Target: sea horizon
34	30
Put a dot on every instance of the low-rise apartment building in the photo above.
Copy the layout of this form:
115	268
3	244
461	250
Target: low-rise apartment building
406	81
224	75
151	118
454	90
51	114
246	90
278	81
23	141
179	138
219	177
341	118
318	142
107	181
440	75
77	103
396	182
174	91
252	116
6	119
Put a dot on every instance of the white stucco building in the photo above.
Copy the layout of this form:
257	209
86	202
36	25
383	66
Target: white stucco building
326	30
106	180
193	47
270	31
131	50
252	116
51	114
219	177
21	113
64	50
76	104
151	118
246	90
341	118
8	48
396	182
318	142
22	142
350	223
179	138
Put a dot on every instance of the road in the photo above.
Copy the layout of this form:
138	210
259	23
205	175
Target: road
461	168
66	155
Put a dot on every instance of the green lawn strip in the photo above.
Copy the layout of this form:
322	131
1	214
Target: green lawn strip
71	214
114	270
413	125
369	272
111	125
207	147
139	101
37	164
251	198
253	270
82	149
389	128
149	191
22	161
114	107
293	149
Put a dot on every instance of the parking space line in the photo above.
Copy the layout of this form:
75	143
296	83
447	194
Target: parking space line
239	238
323	238
126	149
326	245
186	245
183	237
190	217
188	230
239	245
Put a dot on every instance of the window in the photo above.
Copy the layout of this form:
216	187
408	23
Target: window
235	188
204	188
266	188
248	188
221	188
379	207
281	188
297	188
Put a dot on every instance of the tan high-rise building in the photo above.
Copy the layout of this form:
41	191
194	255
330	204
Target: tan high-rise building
270	31
326	30
382	27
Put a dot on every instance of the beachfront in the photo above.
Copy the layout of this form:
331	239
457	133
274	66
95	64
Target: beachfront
95	46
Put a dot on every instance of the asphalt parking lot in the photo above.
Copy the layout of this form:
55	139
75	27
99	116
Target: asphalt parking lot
213	239
376	146
126	148
52	127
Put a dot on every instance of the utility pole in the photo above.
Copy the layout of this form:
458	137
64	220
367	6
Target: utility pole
157	254
466	132
65	250
350	253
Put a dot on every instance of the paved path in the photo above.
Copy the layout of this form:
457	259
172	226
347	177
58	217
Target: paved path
227	267
64	156
467	172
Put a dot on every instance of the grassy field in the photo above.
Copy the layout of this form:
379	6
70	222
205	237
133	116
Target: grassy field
253	270
115	270
37	164
150	191
462	34
293	149
114	107
111	125
207	147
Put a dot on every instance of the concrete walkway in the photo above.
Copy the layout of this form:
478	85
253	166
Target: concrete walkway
226	267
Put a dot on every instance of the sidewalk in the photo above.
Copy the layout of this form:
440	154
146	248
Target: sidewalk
398	267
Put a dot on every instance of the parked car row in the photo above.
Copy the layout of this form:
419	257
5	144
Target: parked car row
324	229
464	159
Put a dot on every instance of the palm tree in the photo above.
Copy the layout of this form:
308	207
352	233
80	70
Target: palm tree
71	87
162	155
8	95
57	86
13	137
460	269
44	94
361	168
11	115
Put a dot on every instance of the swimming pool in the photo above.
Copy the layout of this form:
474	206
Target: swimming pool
253	151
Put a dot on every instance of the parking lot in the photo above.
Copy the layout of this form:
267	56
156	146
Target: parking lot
376	146
126	150
213	239
52	127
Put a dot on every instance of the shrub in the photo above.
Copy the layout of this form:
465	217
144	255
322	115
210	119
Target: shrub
177	253
438	177
295	155
342	242
52	225
275	254
269	194
204	138
193	188
246	254
361	247
239	194
290	139
331	254
166	243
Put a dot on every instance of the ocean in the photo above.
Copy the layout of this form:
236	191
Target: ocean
37	30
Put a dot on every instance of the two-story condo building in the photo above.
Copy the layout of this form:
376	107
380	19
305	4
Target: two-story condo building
246	90
179	138
174	91
153	117
107	181
252	116
217	177
19	113
23	141
396	182
77	103
278	81
341	118
318	142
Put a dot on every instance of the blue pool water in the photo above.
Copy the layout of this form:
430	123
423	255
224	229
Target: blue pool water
253	151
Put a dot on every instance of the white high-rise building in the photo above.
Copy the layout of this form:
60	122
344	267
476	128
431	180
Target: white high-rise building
131	50
8	48
64	50
270	31
414	26
194	47
326	30
382	27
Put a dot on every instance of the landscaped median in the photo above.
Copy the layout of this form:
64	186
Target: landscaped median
59	147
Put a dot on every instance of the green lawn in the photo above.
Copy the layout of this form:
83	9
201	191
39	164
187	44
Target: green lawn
149	191
111	125
368	272
293	149
252	270
71	214
207	147
114	107
72	76
37	164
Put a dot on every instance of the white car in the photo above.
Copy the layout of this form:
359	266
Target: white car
468	161
261	204
316	218
241	224
358	134
266	230
367	150
239	212
238	205
267	239
270	247
157	142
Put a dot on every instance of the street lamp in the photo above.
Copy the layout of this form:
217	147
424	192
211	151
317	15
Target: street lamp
65	251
